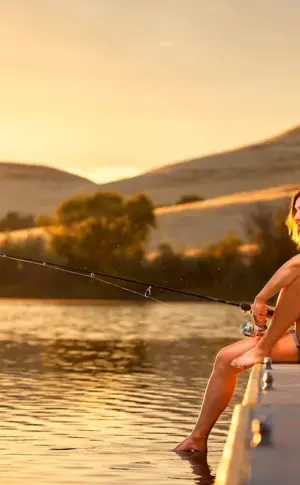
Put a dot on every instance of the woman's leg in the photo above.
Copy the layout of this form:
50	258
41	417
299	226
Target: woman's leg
287	311
221	386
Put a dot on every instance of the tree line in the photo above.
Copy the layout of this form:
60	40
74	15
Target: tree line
108	233
14	220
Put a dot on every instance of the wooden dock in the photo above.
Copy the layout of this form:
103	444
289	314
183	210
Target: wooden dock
263	444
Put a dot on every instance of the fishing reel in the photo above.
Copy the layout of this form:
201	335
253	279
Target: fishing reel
249	327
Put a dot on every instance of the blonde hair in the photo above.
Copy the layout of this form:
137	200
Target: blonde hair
290	220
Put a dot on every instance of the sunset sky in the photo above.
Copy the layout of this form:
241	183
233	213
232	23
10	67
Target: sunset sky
112	88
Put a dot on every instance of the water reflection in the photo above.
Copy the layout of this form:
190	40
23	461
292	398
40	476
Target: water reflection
105	405
200	467
184	357
73	355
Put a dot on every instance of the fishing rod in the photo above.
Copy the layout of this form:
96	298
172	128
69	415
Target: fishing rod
246	307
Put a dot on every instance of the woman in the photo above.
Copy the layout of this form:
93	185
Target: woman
278	343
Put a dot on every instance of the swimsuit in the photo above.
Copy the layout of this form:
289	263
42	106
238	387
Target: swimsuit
293	333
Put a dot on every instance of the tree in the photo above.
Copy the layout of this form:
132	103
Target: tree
268	231
102	230
226	250
14	220
71	210
80	207
221	265
186	199
44	220
140	212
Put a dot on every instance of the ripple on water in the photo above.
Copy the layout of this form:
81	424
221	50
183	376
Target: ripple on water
84	403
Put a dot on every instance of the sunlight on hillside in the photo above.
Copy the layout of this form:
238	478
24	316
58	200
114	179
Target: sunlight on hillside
239	198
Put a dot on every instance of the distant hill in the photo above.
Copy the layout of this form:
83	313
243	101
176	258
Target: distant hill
233	183
270	163
274	162
37	189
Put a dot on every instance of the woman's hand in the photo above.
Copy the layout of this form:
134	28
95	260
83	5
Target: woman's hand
259	311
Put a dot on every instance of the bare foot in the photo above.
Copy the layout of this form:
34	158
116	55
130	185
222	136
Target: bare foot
192	443
250	358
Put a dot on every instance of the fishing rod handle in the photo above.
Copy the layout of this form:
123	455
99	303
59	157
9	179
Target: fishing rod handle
247	308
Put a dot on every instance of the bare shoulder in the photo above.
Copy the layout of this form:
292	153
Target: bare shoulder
295	260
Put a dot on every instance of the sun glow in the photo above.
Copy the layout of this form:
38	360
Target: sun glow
131	88
102	175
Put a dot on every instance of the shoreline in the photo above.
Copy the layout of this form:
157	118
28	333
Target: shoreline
68	301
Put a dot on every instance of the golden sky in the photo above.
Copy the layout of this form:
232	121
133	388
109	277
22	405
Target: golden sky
111	88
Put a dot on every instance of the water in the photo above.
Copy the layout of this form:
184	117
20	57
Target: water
100	393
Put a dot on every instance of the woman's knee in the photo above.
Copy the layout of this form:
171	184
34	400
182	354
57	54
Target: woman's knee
227	354
223	359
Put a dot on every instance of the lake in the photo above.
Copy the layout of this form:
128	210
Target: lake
100	393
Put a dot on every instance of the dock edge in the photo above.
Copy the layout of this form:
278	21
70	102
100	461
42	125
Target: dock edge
234	466
251	395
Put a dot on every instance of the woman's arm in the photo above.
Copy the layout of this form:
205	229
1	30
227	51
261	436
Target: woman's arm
287	273
283	277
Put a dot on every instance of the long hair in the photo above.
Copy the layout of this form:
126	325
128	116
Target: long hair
290	220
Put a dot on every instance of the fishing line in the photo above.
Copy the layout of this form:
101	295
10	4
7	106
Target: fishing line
147	294
95	275
79	272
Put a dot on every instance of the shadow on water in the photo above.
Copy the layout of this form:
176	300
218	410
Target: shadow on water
200	467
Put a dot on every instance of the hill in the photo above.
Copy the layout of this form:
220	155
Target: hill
191	226
233	183
270	163
37	189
